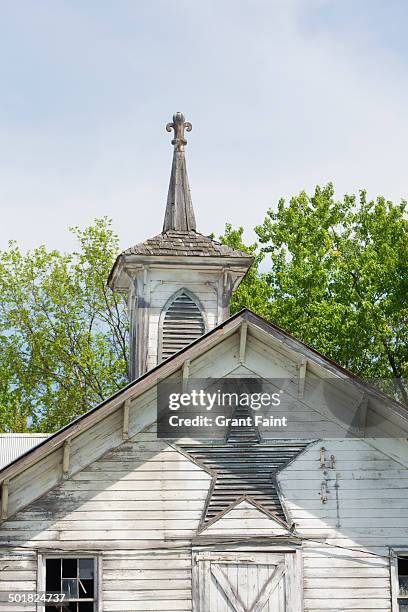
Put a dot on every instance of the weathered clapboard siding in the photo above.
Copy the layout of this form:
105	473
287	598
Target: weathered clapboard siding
47	473
150	472
160	581
144	493
367	510
245	518
156	510
160	478
18	572
336	580
138	503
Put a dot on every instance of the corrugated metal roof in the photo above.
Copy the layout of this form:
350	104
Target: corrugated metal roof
15	444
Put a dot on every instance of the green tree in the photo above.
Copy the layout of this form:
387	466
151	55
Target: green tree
337	278
63	333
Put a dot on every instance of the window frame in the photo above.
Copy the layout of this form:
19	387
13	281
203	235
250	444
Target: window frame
394	554
41	569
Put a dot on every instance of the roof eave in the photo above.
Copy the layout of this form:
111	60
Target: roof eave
124	260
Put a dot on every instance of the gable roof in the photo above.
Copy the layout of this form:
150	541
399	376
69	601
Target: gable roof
173	364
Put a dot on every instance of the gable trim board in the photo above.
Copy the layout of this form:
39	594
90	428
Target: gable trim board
256	327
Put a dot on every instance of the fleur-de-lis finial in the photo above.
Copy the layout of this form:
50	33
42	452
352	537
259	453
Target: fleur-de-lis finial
179	125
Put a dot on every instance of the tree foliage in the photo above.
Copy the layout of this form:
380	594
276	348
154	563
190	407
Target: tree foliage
63	333
335	275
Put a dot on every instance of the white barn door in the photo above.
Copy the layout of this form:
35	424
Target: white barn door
247	582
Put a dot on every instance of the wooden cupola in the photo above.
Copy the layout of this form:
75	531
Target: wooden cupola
179	283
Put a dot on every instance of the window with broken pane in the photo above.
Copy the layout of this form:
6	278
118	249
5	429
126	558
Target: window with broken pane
75	577
403	583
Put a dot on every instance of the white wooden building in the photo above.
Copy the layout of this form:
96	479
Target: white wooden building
122	520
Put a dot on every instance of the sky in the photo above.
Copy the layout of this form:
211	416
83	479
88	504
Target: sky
282	95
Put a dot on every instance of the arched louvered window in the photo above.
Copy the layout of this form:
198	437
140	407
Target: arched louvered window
182	323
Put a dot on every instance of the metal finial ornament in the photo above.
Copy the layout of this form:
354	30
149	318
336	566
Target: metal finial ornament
179	124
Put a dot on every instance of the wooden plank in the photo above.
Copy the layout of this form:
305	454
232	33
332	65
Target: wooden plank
294	580
131	509
145	575
340	565
148	605
94	548
143	585
232	596
13	585
204	585
317	583
268	588
153	593
336	604
343	591
102	514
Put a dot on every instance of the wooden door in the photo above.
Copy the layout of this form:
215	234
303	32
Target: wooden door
247	582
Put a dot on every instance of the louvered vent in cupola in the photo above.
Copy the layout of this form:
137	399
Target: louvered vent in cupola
183	323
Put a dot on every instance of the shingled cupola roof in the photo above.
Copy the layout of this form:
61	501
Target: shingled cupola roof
179	236
186	244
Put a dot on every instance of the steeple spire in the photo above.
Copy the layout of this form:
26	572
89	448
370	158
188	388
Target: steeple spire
179	215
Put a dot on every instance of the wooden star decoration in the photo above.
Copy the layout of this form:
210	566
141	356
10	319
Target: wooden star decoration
245	469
